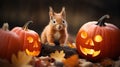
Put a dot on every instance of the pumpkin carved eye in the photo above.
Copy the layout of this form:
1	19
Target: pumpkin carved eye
98	38
30	39
84	35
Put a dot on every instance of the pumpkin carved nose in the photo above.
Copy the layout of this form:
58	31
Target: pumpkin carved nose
89	41
36	44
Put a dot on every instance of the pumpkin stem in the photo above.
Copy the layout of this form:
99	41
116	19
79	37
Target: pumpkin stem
25	27
101	21
5	27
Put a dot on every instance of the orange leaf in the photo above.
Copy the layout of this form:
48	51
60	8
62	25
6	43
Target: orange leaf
72	61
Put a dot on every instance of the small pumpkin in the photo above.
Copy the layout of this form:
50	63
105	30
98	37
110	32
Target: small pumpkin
9	42
30	39
97	40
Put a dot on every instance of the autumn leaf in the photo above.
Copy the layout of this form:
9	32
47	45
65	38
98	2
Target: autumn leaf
85	63
21	60
58	56
107	62
72	61
71	45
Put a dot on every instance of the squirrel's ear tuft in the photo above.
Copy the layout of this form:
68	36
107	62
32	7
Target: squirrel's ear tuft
63	13
51	12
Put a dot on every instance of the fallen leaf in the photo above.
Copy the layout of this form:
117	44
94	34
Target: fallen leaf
85	63
107	63
21	60
72	61
58	56
71	45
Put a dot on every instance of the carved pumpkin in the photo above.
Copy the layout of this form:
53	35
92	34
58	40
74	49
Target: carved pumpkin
97	40
30	39
9	43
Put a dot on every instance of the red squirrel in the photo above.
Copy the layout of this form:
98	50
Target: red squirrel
56	30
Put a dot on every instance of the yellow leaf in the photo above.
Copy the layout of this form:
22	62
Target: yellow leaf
71	45
58	56
21	60
14	58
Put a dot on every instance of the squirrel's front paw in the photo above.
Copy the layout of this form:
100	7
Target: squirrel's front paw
51	44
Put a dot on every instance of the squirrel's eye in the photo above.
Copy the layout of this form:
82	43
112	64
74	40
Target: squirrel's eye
53	21
63	21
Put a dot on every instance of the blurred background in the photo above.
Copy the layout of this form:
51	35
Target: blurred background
18	12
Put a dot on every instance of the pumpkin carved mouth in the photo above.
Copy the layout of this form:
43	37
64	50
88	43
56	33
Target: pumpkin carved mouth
87	51
32	53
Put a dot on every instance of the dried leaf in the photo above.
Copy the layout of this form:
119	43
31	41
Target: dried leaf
85	63
72	61
107	62
21	60
71	45
58	56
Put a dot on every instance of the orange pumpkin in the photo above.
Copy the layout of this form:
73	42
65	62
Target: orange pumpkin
97	40
9	43
30	39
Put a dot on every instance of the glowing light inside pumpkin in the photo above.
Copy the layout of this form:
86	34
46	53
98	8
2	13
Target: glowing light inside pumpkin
38	39
98	38
32	53
35	44
84	35
30	39
96	53
90	41
92	52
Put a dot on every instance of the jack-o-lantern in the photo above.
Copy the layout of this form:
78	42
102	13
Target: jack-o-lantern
97	40
30	39
9	43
